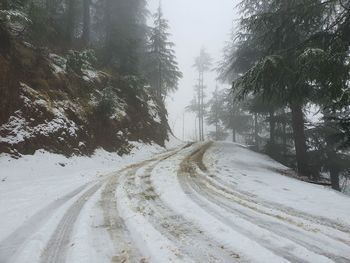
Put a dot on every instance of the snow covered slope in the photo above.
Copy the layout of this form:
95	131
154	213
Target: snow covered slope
48	103
206	202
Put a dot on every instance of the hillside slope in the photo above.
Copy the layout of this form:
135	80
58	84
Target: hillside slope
62	104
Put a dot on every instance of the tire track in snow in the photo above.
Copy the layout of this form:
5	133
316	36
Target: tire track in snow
214	203
212	200
328	227
275	211
317	220
10	245
58	245
123	248
185	235
249	197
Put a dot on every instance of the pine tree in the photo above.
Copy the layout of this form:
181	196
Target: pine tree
162	68
86	21
292	52
276	30
202	64
225	110
71	14
126	33
215	114
4	5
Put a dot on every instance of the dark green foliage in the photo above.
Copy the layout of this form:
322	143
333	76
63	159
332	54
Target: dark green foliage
116	29
41	30
227	112
78	61
288	54
15	4
106	106
125	38
330	150
161	66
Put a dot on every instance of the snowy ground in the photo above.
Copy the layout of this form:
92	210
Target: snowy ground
200	203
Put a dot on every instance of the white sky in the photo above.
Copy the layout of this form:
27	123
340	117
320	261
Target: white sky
195	24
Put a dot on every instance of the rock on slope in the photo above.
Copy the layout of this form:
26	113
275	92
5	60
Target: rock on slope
46	103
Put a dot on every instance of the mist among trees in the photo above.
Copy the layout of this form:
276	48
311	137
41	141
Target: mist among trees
289	58
114	34
287	61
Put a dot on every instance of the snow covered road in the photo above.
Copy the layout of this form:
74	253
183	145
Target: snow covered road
206	202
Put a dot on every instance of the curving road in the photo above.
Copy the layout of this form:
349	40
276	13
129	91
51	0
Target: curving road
191	204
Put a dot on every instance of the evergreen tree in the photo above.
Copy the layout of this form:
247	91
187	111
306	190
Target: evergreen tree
86	21
291	53
71	15
162	68
225	111
215	113
126	33
202	64
194	108
278	30
4	4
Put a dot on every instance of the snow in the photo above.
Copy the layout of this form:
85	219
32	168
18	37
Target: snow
264	181
152	244
120	110
18	129
87	226
173	142
153	111
170	191
258	186
13	15
58	64
90	75
17	125
167	208
31	182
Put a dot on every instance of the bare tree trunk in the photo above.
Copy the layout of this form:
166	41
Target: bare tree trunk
334	173
50	7
256	131
199	108
160	81
108	31
300	139
202	105
272	127
4	5
71	16
195	128
234	135
232	124
284	129
86	22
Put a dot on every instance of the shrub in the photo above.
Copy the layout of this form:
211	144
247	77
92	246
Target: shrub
78	61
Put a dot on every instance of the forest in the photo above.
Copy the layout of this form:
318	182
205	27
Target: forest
93	168
109	34
287	60
107	66
288	63
284	62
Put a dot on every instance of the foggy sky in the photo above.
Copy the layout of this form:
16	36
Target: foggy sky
195	24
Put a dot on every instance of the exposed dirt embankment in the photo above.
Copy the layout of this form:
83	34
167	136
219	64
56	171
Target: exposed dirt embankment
46	103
